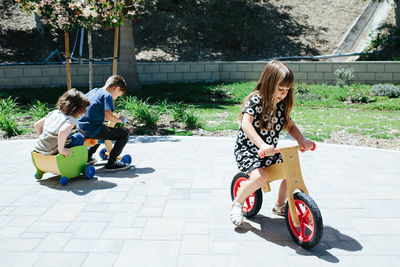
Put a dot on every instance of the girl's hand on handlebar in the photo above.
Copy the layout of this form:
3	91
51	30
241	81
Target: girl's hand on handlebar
266	150
306	144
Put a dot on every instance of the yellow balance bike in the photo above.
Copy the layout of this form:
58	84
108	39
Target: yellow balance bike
302	215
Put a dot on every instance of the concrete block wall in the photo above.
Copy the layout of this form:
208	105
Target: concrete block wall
15	76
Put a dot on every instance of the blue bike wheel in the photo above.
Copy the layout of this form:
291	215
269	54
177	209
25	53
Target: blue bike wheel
127	159
63	181
89	171
38	175
102	154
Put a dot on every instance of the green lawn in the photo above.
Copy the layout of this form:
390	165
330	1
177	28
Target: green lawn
316	123
178	108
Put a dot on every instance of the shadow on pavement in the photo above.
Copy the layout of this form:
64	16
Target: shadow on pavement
275	230
82	186
79	185
132	172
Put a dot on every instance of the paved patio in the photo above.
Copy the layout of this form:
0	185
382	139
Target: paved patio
173	210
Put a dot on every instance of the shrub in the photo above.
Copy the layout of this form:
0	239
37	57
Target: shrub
387	89
358	95
384	45
343	75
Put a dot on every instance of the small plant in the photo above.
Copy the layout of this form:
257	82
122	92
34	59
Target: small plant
302	88
140	109
163	106
8	122
8	105
177	111
185	114
146	114
191	119
220	91
386	89
343	75
39	110
127	103
358	95
9	125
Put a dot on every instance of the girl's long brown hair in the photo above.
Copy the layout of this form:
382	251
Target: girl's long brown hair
275	74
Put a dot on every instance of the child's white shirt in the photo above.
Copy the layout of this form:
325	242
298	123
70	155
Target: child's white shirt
48	140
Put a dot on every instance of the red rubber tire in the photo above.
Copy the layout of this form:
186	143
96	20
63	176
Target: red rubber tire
253	203
309	233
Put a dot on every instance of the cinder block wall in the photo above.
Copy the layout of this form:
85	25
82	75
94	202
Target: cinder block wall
309	72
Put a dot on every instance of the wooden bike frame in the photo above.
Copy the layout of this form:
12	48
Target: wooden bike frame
290	170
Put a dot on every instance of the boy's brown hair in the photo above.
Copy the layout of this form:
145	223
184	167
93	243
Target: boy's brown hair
73	102
116	81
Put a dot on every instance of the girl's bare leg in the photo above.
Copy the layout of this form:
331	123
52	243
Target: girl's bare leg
282	193
256	181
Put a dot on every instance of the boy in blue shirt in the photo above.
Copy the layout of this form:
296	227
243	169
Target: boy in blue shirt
91	123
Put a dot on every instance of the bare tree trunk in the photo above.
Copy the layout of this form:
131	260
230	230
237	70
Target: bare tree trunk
39	27
115	58
128	64
397	12
90	59
67	59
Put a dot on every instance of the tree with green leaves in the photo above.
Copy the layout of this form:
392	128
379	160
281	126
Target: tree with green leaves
68	15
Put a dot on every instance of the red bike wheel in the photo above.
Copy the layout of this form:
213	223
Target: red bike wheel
309	232
253	202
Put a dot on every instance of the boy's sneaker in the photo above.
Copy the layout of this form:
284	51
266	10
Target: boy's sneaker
116	166
91	161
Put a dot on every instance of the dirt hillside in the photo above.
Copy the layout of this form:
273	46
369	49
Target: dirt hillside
199	30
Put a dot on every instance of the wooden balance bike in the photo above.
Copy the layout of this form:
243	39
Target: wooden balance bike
302	216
